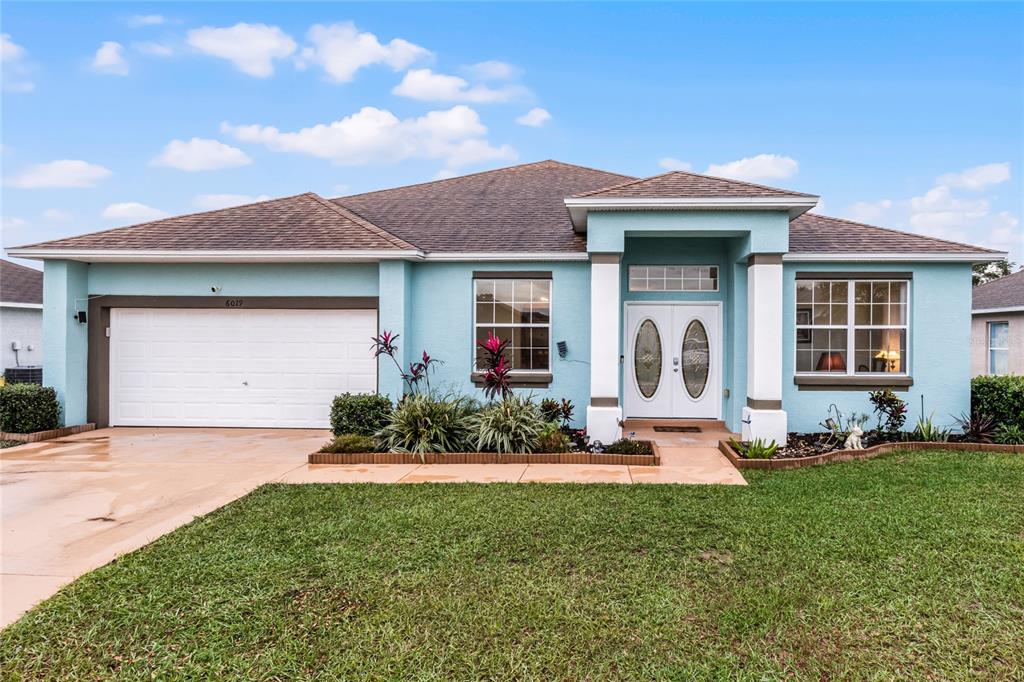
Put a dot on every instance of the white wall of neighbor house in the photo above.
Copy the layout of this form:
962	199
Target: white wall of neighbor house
980	338
24	326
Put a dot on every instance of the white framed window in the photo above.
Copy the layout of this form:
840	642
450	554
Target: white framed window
517	310
673	278
852	327
998	347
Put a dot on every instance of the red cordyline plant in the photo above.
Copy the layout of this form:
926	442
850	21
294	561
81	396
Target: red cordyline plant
384	344
496	369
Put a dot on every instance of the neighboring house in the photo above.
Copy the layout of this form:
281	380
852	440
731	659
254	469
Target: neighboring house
675	296
997	326
21	316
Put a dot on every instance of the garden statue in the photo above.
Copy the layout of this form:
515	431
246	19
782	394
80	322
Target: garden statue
853	440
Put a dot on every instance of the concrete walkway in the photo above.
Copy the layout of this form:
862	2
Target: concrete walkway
74	504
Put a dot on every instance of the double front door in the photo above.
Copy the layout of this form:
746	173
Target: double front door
673	366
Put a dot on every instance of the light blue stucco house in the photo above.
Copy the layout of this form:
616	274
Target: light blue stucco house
679	296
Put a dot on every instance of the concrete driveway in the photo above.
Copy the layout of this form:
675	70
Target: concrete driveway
74	504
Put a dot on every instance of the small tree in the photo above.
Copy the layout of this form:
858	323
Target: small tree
983	273
496	370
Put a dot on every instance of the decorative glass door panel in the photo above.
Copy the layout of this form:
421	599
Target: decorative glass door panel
647	362
696	359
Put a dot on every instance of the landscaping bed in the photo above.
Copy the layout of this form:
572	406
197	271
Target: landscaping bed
903	567
583	457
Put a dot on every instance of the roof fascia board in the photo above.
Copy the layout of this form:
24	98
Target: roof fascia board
998	311
490	256
579	206
214	256
966	257
17	304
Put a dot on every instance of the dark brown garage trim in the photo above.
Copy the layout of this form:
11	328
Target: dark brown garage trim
98	392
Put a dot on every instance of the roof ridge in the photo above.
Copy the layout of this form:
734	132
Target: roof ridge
361	221
893	230
161	220
731	181
471	175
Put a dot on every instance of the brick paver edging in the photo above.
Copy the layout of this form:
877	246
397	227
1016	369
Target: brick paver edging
486	458
848	455
36	436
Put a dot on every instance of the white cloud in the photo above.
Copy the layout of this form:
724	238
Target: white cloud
154	49
109	58
444	174
15	72
57	215
672	164
491	71
939	213
760	167
341	50
534	118
427	86
374	135
868	211
10	224
9	50
1006	234
210	202
978	177
250	47
140	20
200	155
62	173
132	211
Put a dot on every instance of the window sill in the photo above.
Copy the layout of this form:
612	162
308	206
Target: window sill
852	383
524	380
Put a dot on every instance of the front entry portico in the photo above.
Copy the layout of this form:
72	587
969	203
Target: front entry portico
673	360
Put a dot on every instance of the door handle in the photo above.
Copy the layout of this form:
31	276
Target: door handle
245	383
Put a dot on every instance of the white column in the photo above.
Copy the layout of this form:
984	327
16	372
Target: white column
604	412
763	416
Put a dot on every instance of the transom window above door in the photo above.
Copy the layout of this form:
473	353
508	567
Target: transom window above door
673	278
852	326
516	310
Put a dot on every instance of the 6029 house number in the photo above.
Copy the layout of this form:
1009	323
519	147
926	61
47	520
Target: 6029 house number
234	302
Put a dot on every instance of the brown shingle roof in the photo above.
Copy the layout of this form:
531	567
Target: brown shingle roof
813	233
304	221
681	184
1005	292
19	284
509	209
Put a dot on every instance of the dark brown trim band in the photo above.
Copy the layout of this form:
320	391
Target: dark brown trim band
531	380
605	258
756	404
511	274
854	383
853	275
98	361
604	402
764	259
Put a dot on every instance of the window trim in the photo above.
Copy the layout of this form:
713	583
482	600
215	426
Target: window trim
717	278
851	327
527	375
988	344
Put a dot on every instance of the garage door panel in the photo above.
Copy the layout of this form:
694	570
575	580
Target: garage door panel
212	367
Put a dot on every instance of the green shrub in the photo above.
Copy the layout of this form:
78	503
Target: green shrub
360	413
628	446
25	408
891	411
423	422
350	442
1001	397
513	424
553	439
1010	434
755	449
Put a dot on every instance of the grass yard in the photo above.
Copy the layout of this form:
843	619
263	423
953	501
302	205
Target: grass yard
910	566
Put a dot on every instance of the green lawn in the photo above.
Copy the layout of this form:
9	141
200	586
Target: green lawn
910	565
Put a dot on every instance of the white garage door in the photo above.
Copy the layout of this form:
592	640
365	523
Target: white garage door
214	367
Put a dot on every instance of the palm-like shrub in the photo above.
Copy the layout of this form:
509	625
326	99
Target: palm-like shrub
977	427
423	423
514	424
928	431
1010	434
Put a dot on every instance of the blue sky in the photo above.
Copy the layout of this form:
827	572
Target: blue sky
907	116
